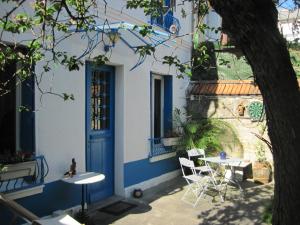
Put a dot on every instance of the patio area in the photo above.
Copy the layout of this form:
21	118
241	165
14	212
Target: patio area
162	205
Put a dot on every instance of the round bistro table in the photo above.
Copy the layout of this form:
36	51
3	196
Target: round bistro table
83	179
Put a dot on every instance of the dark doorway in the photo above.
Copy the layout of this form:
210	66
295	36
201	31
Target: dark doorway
157	108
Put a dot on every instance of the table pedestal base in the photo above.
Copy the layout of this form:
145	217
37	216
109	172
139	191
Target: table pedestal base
82	216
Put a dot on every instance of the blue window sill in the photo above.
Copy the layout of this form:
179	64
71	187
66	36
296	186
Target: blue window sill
158	149
23	176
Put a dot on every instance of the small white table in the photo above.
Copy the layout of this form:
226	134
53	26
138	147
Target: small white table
84	178
231	162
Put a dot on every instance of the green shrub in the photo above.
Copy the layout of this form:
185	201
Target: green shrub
267	215
213	135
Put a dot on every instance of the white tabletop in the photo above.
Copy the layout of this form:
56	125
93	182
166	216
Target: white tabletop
218	160
84	178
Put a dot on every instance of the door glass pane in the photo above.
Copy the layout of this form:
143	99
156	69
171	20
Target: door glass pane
100	100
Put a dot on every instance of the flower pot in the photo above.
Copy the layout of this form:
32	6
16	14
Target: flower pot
261	172
223	155
170	141
17	170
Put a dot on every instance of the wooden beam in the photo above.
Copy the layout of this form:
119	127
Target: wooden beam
18	209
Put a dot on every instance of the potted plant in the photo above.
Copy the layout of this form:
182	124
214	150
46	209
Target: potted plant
171	138
21	165
213	135
261	169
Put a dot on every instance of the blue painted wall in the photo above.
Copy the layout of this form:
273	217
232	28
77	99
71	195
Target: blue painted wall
141	170
56	195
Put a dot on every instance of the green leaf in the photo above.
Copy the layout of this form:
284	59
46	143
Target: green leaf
100	60
68	96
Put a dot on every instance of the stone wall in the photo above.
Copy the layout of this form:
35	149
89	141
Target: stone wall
227	108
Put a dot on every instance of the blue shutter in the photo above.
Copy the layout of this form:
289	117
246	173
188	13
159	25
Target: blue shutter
168	103
168	18
27	133
168	3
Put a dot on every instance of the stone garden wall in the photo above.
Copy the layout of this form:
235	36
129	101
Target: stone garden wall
234	110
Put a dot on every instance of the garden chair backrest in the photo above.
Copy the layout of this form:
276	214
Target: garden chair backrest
196	152
187	163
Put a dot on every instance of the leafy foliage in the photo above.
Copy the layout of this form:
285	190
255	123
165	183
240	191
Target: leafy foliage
295	59
144	30
50	24
2	167
181	67
153	8
261	153
213	135
267	215
46	27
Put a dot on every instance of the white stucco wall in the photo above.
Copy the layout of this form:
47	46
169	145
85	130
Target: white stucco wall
213	20
60	125
288	30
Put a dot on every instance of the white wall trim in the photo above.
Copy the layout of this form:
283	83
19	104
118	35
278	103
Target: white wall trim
152	182
119	149
25	193
162	157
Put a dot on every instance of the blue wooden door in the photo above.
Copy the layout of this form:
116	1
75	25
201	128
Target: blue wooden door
100	129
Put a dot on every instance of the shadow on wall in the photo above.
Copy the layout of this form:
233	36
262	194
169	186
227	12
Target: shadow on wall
204	70
206	108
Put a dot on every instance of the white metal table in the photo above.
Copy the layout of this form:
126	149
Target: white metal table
83	179
231	162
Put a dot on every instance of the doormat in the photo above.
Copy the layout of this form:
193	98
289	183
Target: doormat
117	208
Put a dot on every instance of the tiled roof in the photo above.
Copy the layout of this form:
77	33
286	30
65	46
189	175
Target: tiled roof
224	87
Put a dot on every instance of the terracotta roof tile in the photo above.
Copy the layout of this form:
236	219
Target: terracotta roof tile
219	89
225	87
244	89
229	88
204	89
236	89
257	90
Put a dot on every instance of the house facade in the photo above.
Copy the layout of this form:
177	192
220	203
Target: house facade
119	113
288	24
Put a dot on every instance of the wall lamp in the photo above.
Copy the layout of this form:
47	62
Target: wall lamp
113	36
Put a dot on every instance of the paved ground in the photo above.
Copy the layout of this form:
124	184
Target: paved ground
162	205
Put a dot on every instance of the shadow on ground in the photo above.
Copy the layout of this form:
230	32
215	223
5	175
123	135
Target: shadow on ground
162	205
237	209
142	205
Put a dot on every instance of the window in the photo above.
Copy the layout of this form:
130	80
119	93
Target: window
158	102
165	20
100	90
16	127
161	104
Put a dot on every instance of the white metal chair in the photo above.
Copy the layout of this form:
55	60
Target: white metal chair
200	153
197	184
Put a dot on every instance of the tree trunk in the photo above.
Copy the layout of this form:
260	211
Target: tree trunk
253	24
